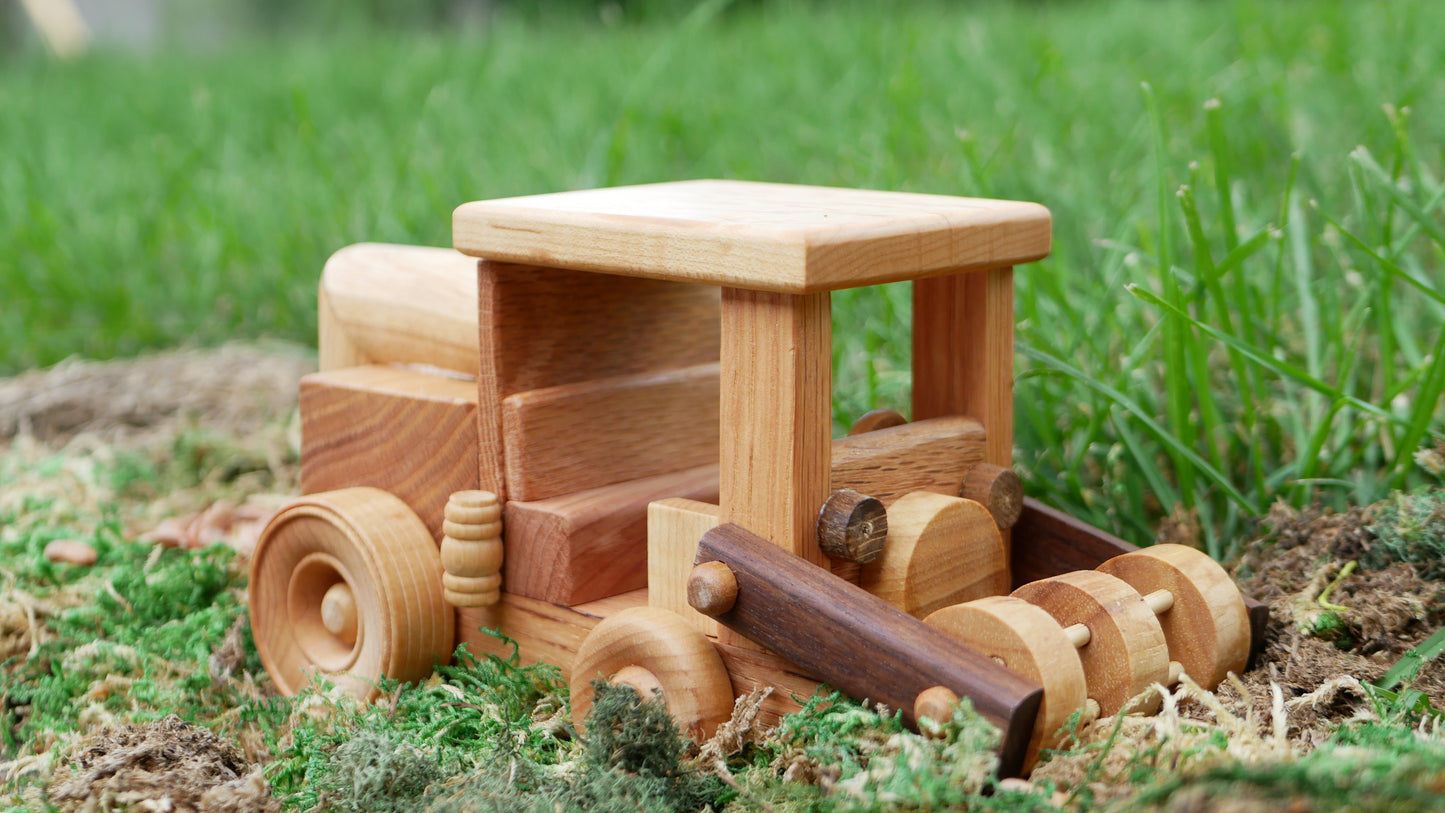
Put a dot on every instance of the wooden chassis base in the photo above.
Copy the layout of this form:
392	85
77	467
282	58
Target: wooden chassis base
1045	543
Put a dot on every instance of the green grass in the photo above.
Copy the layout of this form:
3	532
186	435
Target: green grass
1244	299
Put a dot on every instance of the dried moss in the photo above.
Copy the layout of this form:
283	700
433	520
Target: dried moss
861	757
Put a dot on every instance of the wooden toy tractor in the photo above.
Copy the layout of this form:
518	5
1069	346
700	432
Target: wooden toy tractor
611	440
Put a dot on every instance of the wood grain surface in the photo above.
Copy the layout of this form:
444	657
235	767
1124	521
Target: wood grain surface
590	544
929	455
756	236
589	434
390	304
410	433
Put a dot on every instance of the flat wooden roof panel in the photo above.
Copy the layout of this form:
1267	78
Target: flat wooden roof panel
756	236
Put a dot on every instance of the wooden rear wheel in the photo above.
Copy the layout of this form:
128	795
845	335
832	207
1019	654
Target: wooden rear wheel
652	649
347	584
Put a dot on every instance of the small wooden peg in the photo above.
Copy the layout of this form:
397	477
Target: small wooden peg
877	419
712	589
852	526
999	489
935	703
471	550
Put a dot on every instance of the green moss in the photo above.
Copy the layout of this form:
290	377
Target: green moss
1410	527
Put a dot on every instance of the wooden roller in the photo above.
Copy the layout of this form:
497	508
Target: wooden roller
1200	608
1120	642
1027	640
941	551
1093	641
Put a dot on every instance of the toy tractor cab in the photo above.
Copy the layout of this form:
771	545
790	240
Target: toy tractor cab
611	439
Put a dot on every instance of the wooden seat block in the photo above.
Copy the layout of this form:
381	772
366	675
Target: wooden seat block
548	327
589	434
932	455
411	433
389	304
591	544
755	236
940	551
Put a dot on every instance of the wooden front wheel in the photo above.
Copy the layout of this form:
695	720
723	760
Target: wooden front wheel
650	648
347	584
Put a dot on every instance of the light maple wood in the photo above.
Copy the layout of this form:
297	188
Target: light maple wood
408	432
1126	651
674	527
875	420
589	434
590	544
472	549
1203	614
998	489
777	387
963	339
859	643
756	236
852	527
929	455
347	584
654	648
548	327
390	304
941	550
1029	641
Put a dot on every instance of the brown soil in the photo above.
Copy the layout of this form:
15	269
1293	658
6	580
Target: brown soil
237	389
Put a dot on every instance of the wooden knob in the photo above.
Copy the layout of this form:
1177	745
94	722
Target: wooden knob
935	703
472	549
642	680
998	489
875	420
852	526
338	612
712	588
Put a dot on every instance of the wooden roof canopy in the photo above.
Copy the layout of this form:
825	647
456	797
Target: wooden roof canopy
755	236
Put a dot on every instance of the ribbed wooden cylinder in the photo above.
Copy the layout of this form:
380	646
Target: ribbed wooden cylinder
472	549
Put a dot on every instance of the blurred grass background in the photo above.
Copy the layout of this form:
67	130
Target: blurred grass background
1244	301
